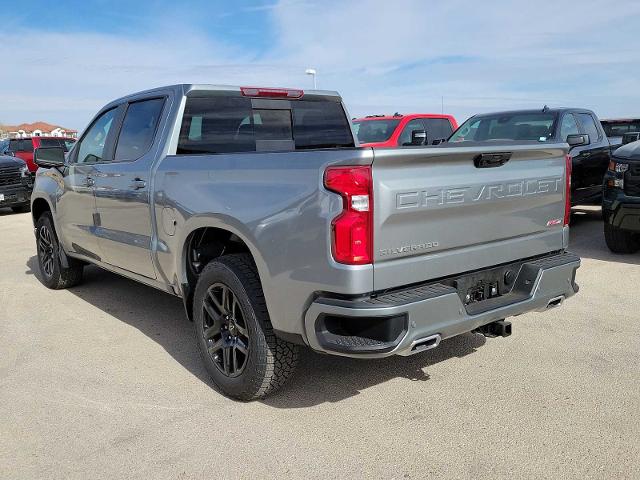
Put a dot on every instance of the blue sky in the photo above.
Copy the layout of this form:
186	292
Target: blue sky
64	63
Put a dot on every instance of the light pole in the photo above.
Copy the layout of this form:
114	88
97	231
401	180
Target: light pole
313	73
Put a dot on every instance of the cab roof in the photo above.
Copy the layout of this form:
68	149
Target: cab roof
400	116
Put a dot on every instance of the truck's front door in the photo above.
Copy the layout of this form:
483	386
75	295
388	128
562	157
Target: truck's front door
123	188
598	150
76	206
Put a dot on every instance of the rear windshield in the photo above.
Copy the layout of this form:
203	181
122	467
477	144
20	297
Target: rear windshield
518	126
231	124
618	129
372	131
66	144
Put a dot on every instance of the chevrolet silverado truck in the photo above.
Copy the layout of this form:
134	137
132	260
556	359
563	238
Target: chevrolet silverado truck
260	210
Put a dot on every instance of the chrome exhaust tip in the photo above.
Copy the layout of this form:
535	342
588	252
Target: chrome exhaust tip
425	343
555	302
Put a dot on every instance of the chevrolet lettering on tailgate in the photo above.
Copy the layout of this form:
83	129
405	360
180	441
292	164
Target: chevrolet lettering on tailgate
454	195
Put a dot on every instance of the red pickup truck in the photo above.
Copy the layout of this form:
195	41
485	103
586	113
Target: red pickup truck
403	130
23	148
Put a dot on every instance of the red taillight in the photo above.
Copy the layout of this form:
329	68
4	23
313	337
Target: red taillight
567	190
352	230
271	92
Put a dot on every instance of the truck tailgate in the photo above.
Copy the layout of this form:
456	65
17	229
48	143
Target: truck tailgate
437	212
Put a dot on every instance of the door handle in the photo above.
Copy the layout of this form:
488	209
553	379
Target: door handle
89	182
138	183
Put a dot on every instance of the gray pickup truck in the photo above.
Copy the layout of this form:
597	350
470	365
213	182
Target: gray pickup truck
258	208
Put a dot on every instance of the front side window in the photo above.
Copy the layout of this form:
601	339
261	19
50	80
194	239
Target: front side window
589	126
405	136
91	148
138	129
568	127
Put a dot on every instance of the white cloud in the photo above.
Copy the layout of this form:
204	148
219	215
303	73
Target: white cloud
382	56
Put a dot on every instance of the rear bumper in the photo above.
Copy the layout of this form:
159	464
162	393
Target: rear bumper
416	319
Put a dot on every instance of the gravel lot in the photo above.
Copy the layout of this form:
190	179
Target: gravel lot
104	381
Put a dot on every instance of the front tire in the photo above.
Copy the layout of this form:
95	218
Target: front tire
241	353
620	241
52	274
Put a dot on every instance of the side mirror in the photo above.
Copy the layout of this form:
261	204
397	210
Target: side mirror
49	157
418	137
578	140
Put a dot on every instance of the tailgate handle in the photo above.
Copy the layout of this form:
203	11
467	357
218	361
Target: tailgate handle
490	160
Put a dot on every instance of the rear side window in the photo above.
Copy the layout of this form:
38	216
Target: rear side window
437	128
589	126
138	129
231	125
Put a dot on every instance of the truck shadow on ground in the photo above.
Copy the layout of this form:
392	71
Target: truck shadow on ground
318	379
587	237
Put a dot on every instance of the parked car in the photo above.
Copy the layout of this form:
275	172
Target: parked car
588	145
24	147
619	129
403	130
256	207
15	184
621	200
4	146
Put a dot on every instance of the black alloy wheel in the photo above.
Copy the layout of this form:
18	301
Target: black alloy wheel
224	330
46	250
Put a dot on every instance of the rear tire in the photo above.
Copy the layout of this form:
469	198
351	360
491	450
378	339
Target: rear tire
620	241
52	273
241	353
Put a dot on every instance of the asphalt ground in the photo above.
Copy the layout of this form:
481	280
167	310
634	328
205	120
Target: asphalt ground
104	381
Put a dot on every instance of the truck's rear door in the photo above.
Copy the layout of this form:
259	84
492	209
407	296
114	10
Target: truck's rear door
447	210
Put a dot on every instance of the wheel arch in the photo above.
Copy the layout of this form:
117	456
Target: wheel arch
228	233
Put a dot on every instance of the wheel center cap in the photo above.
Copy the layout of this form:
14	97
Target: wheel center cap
232	327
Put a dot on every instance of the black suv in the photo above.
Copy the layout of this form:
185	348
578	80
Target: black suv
621	200
589	147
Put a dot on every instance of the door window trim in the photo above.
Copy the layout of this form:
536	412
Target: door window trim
595	123
120	124
109	148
